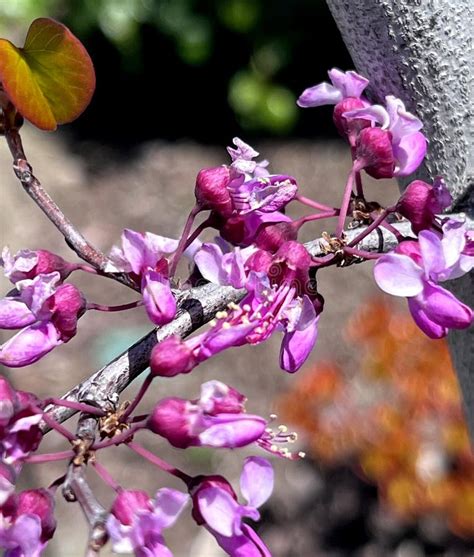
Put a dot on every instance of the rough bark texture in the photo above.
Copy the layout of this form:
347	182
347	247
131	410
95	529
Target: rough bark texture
421	51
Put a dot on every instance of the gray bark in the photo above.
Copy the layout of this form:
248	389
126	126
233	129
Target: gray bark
421	51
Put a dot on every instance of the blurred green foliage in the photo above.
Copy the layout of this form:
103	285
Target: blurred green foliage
266	34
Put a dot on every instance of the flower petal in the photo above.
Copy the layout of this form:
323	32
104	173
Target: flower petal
398	275
445	309
248	544
375	114
218	509
159	301
231	430
429	327
297	345
319	95
209	262
409	151
402	122
14	314
168	505
29	345
256	480
432	252
350	84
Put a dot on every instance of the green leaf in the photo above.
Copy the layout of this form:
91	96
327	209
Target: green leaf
51	79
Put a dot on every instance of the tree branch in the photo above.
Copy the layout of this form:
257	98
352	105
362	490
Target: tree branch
197	306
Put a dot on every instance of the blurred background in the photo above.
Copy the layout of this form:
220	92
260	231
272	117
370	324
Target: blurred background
388	470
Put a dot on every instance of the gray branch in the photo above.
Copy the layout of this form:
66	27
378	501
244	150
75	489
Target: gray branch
421	51
197	306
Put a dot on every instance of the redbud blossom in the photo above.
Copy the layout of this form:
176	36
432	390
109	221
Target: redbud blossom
211	190
171	357
216	419
215	505
420	203
27	264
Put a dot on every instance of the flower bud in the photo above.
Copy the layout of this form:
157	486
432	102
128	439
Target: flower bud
39	502
171	357
69	306
271	236
374	151
420	202
28	264
170	420
211	190
349	128
290	264
128	503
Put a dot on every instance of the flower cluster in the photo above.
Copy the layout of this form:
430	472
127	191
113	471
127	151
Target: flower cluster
258	256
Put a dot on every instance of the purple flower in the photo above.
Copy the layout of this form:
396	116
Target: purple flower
420	203
8	476
216	419
48	313
215	505
402	137
143	256
19	424
27	264
414	270
219	264
27	523
136	523
344	85
242	160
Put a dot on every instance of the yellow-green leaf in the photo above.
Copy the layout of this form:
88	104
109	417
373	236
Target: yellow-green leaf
51	79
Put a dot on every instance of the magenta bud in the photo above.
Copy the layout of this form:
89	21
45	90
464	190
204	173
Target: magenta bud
49	262
171	357
41	503
211	190
170	420
69	306
128	502
349	128
374	151
420	202
200	483
271	236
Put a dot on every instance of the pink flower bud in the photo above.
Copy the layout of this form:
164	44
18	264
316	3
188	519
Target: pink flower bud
211	190
420	203
39	502
271	236
374	152
128	503
69	306
290	265
170	420
171	357
349	128
28	264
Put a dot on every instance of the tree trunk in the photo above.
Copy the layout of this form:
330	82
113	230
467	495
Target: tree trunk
421	51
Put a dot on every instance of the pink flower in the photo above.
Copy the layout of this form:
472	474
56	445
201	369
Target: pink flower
27	523
19	424
414	270
143	256
395	149
420	203
215	505
216	419
27	264
242	160
136	523
48	313
171	357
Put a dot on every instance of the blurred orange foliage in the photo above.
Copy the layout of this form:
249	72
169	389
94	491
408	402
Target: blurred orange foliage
397	420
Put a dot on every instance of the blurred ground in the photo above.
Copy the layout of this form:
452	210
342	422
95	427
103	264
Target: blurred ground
103	193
